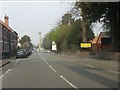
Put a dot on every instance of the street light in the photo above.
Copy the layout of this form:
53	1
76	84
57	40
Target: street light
39	41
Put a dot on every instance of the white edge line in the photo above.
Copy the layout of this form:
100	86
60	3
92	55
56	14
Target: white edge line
113	71
68	82
1	76
7	71
90	66
17	60
52	68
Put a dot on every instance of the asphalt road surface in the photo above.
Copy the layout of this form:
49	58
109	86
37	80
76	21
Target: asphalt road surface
47	70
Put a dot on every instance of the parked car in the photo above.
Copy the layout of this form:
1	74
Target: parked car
29	52
21	53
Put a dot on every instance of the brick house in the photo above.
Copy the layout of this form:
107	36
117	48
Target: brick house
97	44
8	39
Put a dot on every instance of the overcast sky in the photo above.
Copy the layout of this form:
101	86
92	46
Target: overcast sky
30	18
33	17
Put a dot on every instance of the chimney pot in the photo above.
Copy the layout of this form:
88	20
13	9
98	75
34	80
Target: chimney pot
6	18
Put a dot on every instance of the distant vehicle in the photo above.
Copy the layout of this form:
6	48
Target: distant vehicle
21	53
47	51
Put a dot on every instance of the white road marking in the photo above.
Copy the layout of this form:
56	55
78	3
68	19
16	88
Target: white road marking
7	71
114	71
43	59
68	82
46	62
90	66
87	65
17	60
1	76
52	68
20	59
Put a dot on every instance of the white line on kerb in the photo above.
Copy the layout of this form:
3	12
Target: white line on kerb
68	82
7	71
52	68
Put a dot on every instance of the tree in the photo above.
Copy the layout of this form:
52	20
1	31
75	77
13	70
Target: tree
59	35
47	42
26	42
107	12
75	34
67	19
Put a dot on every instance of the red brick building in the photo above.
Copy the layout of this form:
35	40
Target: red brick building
8	39
97	44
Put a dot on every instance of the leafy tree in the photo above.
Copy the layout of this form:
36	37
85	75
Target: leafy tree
107	12
26	42
67	18
59	36
75	34
47	42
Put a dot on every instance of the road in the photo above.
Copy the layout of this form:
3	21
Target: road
47	70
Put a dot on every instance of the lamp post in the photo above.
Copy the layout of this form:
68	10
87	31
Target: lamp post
39	41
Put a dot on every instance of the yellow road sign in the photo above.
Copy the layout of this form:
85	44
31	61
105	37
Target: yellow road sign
85	45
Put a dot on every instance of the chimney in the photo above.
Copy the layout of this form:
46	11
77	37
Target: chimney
6	18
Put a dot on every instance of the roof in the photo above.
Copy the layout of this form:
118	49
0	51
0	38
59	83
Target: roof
6	26
95	39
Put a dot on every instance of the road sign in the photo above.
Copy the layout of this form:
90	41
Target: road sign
85	45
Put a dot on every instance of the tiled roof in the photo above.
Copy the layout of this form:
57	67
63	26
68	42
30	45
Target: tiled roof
6	26
94	40
97	38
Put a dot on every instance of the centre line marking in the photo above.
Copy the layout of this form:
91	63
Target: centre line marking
52	68
68	82
46	62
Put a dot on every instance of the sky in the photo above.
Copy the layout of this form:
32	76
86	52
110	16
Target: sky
30	18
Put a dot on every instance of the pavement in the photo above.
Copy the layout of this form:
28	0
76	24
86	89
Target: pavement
6	61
